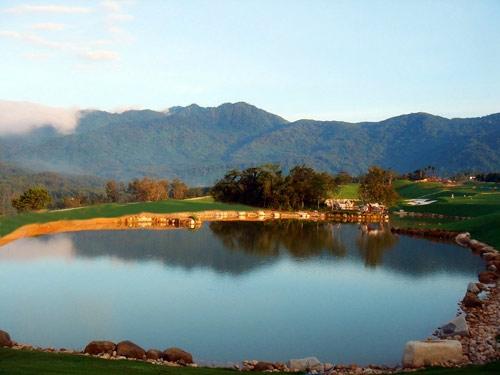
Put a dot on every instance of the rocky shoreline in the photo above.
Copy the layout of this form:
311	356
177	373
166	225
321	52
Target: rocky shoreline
472	337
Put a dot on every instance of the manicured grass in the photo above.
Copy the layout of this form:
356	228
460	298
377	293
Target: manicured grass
348	191
490	368
14	362
408	189
480	201
10	223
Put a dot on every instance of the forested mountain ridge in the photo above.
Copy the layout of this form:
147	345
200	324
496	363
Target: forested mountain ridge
199	144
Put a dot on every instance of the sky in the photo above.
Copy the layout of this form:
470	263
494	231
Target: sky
329	60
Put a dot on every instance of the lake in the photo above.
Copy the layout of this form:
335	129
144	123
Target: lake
230	291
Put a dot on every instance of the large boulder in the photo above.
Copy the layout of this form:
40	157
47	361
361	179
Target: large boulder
491	256
303	364
488	277
495	263
432	353
5	339
456	327
263	366
130	350
177	355
477	246
463	239
471	300
100	347
154	354
472	288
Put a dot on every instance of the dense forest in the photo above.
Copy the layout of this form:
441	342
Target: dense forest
200	144
15	180
303	187
17	186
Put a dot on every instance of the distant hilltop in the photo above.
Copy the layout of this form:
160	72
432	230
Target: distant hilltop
199	144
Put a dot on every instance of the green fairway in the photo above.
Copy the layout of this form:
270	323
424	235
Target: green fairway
479	201
10	223
348	191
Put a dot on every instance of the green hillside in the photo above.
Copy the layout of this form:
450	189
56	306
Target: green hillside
200	144
14	180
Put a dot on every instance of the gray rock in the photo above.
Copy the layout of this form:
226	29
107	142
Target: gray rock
472	287
432	353
463	239
456	327
304	364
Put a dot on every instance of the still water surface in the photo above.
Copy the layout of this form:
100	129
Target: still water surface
234	291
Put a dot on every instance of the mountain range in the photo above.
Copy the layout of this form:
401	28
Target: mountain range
199	144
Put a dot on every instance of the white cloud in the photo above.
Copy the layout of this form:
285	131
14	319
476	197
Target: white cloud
48	26
113	13
120	17
77	49
126	108
112	6
49	8
101	55
20	117
10	34
36	56
34	39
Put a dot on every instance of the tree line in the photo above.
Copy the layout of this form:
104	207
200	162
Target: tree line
303	187
268	186
149	189
264	186
138	190
488	177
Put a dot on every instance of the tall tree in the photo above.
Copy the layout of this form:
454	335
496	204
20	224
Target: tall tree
178	189
35	198
113	191
376	187
148	189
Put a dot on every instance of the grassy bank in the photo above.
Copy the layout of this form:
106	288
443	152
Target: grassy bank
15	362
478	201
10	223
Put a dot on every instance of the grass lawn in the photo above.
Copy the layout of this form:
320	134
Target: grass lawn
10	223
348	191
490	368
15	362
480	201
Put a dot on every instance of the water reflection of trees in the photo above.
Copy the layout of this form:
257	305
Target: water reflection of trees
240	247
373	241
300	238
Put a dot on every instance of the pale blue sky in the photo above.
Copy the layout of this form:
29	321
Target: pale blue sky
347	60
